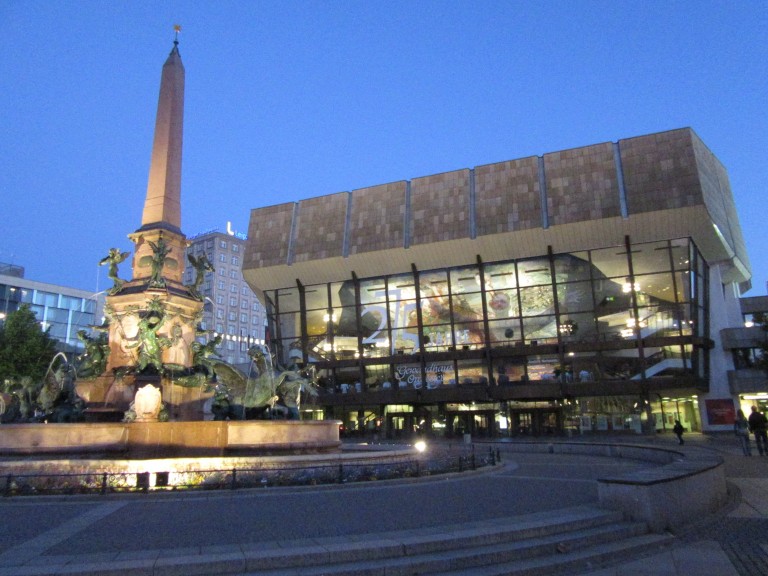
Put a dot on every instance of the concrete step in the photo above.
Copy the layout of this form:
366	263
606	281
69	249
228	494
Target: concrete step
536	546
479	559
542	543
572	563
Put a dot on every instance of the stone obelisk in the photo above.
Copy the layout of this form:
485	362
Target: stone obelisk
161	218
153	317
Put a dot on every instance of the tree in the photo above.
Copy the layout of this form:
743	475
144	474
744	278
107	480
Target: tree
25	349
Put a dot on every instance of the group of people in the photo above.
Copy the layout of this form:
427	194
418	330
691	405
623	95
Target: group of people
756	424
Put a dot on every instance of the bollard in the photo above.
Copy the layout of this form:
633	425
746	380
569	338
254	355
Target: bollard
104	483
233	484
492	456
9	484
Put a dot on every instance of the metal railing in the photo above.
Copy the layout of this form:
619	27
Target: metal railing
265	475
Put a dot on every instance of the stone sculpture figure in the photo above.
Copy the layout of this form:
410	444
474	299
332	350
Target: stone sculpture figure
201	265
291	384
150	345
178	349
93	361
114	258
160	252
201	354
147	404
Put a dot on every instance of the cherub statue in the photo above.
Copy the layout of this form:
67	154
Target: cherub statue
160	252
114	258
201	265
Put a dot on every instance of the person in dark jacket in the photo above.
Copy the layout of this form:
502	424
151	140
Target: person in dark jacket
758	425
678	430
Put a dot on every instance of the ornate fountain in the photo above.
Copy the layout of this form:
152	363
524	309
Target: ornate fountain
149	383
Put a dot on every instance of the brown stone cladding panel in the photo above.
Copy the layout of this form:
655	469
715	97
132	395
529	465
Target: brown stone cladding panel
660	171
717	195
378	218
269	231
440	207
507	196
320	226
582	184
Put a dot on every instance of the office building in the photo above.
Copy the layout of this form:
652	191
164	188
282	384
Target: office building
581	290
231	309
62	310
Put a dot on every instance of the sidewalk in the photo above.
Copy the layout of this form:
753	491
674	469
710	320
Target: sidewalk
734	545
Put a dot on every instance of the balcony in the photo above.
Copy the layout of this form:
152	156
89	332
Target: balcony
734	338
746	380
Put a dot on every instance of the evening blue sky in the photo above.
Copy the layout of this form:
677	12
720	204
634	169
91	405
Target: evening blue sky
289	100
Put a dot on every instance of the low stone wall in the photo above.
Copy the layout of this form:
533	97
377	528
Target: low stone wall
666	497
170	439
62	438
669	496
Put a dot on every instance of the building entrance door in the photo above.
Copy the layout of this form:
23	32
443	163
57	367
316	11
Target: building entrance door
400	425
480	424
535	422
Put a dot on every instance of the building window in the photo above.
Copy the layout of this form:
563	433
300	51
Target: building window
233	274
233	289
219	299
221	284
233	301
223	244
231	316
219	313
222	271
235	261
243	317
235	247
222	257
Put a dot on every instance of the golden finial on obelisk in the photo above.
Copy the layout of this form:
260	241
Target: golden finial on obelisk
176	29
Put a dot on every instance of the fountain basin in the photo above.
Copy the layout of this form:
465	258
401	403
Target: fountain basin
172	439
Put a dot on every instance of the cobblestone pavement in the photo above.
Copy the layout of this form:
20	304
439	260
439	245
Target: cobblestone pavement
743	532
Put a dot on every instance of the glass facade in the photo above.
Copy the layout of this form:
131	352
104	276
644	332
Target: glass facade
621	313
63	315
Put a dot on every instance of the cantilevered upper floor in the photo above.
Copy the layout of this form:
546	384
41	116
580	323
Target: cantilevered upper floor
658	186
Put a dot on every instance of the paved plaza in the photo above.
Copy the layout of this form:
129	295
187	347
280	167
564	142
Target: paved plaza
127	533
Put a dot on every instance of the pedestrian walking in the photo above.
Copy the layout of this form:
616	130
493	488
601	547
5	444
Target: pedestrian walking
758	425
678	430
741	428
